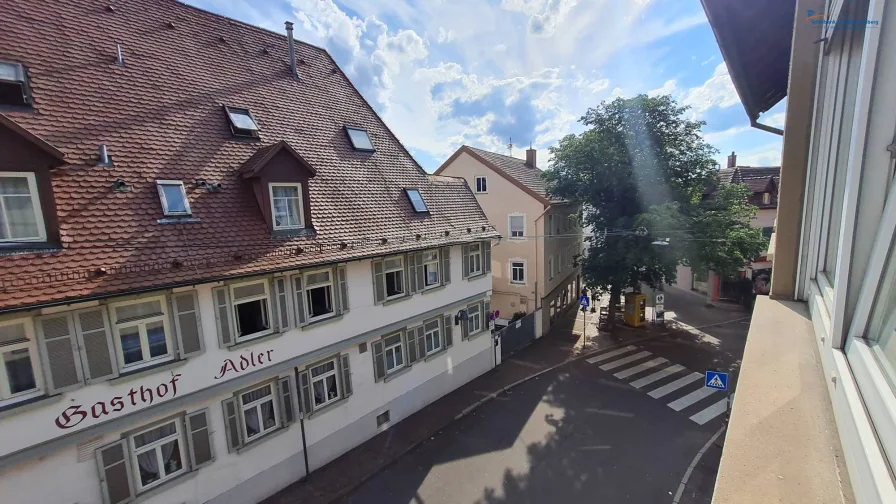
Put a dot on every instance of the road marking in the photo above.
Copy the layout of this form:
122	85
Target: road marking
640	367
659	375
697	457
610	412
691	398
612	354
711	412
625	360
677	384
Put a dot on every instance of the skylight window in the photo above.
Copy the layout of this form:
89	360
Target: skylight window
241	122
14	89
360	139
417	201
173	197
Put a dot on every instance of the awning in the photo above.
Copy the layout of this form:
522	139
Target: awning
755	37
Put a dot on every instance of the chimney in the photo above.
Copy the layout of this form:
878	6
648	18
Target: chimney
732	160
530	157
292	51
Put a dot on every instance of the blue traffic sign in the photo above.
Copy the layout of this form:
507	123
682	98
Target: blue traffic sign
584	302
717	380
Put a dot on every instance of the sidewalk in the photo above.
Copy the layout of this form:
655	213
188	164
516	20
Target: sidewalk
338	478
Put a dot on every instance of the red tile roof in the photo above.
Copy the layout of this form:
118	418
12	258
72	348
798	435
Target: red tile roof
759	179
161	117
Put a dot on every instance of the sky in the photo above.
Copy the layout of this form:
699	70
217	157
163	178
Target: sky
485	73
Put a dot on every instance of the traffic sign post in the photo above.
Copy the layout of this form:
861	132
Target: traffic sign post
584	302
716	380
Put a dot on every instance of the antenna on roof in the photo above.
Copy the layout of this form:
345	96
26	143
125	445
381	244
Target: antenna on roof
510	146
119	58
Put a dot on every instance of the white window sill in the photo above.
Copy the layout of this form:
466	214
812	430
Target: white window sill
395	374
239	345
396	299
321	321
435	355
130	374
434	288
260	440
319	410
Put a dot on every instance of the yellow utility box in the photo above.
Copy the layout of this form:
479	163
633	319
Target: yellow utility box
635	314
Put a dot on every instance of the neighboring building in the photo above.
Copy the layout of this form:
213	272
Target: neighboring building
535	267
814	419
763	182
217	272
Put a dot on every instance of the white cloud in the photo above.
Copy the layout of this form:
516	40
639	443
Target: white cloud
716	137
617	92
776	120
591	85
669	88
544	15
707	60
717	91
445	35
766	155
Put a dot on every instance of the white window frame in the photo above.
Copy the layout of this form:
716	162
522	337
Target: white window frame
156	446
392	347
484	184
300	208
434	335
30	343
510	266
322	378
766	198
510	218
401	269
269	313
141	323
474	324
428	264
164	199
35	203
470	254
256	404
306	287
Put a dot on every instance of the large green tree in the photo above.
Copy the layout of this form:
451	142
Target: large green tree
642	163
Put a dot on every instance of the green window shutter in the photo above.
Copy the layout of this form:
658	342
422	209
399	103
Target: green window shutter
199	437
487	256
343	286
464	328
486	310
97	350
232	424
185	307
411	345
410	272
281	303
421	342
287	412
59	353
421	276
379	281
379	360
305	390
446	265
221	295
299	298
114	464
346	375
447	329
466	262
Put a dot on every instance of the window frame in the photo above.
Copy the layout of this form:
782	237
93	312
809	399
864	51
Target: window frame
349	129
401	344
510	218
237	131
478	253
300	209
437	338
402	270
164	317
335	373
155	446
30	343
164	199
306	288
478	311
34	193
256	404
511	267
484	184
408	191
236	319
438	267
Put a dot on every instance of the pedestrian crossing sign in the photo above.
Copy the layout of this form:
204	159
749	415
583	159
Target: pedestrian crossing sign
717	380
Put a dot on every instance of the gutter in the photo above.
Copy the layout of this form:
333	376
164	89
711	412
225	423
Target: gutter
764	127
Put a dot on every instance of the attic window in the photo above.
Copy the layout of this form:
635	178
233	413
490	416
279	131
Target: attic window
242	124
360	139
173	197
417	201
14	89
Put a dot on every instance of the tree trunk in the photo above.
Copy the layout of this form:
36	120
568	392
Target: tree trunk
615	292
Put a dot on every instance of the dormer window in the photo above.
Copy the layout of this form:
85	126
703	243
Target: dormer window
286	205
417	201
20	213
360	139
242	123
14	88
766	198
173	197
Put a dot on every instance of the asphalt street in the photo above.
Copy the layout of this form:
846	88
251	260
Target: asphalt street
620	426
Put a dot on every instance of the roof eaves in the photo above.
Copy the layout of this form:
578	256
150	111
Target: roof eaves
541	199
34	139
251	167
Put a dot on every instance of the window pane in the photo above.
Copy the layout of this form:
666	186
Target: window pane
252	427
319	393
393	263
12	332
394	283
398	358
242	120
20	218
171	457
360	139
285	191
130	344
149	467
317	278
883	321
153	435
251	290
14	185
138	310
319	301
323	368
18	371
252	317
255	395
155	335
431	272
174	198
390	360
332	391
269	420
392	340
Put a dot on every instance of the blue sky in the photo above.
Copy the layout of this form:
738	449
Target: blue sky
443	73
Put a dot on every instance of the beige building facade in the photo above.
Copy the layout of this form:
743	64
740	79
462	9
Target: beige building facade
534	267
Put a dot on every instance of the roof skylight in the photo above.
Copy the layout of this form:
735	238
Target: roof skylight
360	139
417	201
241	122
173	197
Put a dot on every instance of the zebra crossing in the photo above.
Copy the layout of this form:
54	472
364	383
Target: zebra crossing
664	380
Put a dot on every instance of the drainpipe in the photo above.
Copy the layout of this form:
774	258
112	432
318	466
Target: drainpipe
764	127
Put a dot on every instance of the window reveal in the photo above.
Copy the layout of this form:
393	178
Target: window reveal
394	268
259	412
394	352
158	454
319	294
324	384
431	268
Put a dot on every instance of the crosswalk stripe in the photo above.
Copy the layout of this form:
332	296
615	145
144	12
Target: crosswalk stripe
691	398
677	384
711	412
610	355
640	367
625	360
659	375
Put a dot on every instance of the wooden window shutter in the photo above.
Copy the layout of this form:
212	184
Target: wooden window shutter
410	270
114	464
466	261
281	294
447	329
59	353
379	360
343	287
465	328
287	410
379	281
200	441
221	296
421	342
298	295
346	375
446	265
487	256
185	307
421	276
486	312
411	345
232	424
305	391
97	350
